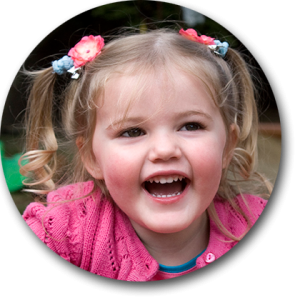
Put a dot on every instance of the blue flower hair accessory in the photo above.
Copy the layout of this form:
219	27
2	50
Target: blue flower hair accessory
219	48
62	65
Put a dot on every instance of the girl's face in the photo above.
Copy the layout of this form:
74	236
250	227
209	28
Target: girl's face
162	165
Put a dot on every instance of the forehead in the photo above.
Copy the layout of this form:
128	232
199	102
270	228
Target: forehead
147	93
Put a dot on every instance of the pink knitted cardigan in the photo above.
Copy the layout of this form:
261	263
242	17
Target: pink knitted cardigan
95	235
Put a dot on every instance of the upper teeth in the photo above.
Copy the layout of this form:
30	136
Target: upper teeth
165	179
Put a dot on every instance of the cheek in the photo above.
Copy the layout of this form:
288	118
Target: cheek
116	171
120	173
207	163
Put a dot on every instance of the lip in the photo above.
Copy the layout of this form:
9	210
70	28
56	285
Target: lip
167	200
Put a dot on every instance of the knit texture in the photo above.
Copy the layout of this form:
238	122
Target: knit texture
95	235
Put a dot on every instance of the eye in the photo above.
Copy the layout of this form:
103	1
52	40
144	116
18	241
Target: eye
133	132
192	127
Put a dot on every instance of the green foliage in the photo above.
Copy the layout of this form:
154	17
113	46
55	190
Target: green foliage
114	11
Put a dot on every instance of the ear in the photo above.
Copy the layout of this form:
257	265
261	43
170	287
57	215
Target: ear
89	160
232	140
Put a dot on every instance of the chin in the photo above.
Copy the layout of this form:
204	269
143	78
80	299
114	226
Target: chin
166	228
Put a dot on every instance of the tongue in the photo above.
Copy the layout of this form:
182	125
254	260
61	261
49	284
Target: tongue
164	189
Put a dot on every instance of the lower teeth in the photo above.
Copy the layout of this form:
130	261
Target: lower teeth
166	196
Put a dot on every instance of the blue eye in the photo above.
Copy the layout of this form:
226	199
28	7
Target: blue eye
133	132
191	127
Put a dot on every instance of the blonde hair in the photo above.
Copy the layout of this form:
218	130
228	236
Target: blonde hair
228	81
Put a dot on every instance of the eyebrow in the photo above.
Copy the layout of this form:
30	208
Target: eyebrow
140	120
194	112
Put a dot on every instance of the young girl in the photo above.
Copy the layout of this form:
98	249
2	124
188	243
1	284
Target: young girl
163	178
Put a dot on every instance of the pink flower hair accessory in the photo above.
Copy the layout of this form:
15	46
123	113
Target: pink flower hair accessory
84	51
192	35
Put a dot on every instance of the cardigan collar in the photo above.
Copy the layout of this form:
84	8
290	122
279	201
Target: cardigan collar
141	265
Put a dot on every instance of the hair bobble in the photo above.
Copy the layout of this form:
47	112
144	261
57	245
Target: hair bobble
216	46
85	51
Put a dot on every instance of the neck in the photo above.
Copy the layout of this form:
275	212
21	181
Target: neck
172	249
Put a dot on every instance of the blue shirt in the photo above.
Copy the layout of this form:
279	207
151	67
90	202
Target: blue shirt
181	268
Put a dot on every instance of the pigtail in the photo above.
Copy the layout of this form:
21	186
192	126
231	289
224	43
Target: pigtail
39	162
247	116
245	154
241	175
245	95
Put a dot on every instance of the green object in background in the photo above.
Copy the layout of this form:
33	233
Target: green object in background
11	170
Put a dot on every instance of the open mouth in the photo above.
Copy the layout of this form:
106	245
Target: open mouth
166	186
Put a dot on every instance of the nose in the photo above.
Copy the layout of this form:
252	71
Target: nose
164	147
